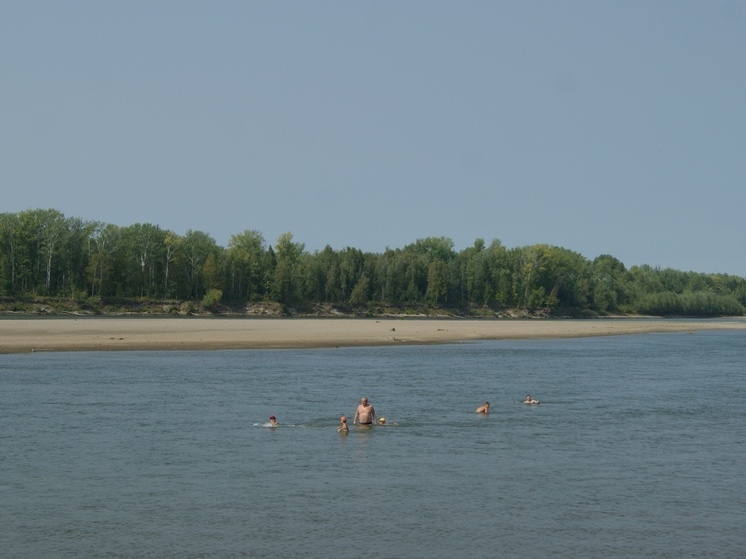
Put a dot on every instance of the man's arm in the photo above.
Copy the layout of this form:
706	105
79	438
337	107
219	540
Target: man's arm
373	415
357	413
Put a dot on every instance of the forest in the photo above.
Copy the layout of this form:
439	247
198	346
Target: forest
45	254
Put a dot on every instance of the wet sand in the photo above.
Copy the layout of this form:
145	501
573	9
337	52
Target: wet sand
18	335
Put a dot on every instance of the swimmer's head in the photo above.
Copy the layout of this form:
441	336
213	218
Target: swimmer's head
343	419
382	421
272	418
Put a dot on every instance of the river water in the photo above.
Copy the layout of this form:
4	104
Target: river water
638	449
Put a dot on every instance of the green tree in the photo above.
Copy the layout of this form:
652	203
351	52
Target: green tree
350	269
75	256
437	281
211	272
52	231
474	273
105	241
359	295
145	244
196	247
288	254
171	246
244	260
607	281
10	230
530	267
212	298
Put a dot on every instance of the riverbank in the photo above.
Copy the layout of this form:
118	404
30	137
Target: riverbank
19	335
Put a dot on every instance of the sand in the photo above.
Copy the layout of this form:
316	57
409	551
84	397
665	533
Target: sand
19	335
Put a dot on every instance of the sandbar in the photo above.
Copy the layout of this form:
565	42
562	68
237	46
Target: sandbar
20	335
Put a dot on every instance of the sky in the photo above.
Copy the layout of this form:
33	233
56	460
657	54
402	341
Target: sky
612	127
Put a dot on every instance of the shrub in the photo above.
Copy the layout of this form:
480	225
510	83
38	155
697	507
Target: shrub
212	298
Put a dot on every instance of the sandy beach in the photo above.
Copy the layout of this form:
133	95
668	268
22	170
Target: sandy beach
18	335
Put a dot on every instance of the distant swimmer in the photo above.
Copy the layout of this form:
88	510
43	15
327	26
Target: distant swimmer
382	421
484	408
273	421
529	400
343	428
365	414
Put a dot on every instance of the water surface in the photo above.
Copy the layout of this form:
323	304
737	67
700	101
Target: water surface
637	450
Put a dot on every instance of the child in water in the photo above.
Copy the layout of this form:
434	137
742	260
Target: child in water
273	421
343	428
484	408
530	400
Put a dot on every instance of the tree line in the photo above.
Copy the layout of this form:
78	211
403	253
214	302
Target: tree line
45	253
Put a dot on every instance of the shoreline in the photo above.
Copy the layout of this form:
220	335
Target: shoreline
25	335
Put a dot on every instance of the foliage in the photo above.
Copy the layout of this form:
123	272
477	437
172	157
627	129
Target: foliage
212	298
45	254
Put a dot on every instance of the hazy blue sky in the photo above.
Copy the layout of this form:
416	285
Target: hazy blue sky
601	127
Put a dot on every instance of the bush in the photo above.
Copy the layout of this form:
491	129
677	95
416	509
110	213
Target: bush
699	303
212	298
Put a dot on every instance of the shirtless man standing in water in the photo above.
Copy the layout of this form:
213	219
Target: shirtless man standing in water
365	414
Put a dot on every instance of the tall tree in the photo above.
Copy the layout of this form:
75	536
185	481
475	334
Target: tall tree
244	259
75	256
288	254
196	246
10	229
171	246
145	243
105	241
607	280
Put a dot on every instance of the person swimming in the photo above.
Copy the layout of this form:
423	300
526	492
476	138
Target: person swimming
343	427
529	400
484	408
273	421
